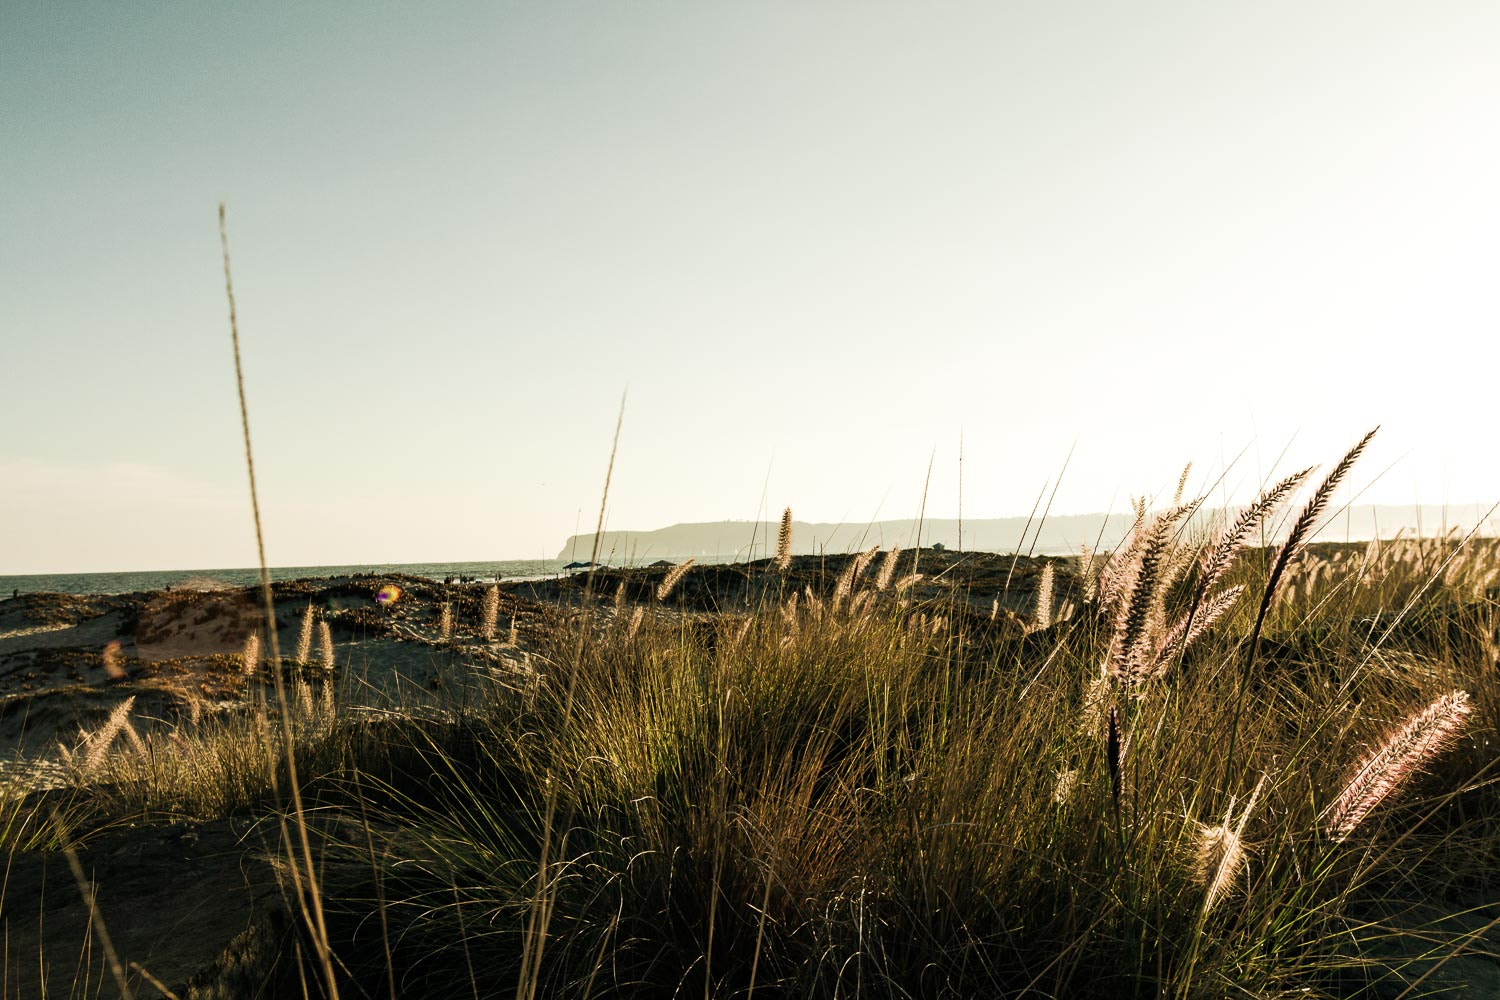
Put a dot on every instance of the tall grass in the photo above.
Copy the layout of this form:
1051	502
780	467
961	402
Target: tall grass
859	789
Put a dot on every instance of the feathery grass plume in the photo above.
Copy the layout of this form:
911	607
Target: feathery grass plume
1118	569
305	699
1091	709
304	637
1220	857
887	570
1042	619
489	613
1141	587
1218	557
789	609
515	632
1086	574
672	579
250	658
619	602
445	623
98	743
907	582
1303	526
1192	626
325	644
636	617
1062	789
784	541
1401	755
994	608
1174	563
1114	753
139	744
863	560
1181	484
813	604
845	584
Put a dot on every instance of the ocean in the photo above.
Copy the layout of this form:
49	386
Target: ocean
127	583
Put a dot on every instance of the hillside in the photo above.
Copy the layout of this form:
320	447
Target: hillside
1058	534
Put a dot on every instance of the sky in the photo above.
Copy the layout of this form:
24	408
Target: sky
813	246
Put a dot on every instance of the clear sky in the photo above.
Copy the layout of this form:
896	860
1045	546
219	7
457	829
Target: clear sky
816	241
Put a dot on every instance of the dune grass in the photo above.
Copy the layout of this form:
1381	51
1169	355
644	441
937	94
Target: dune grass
849	791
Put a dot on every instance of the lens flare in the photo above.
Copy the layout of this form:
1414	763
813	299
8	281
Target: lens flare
389	594
114	659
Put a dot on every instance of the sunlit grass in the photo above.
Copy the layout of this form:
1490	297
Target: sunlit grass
850	789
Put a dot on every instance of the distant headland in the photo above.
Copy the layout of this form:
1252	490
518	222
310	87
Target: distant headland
1057	535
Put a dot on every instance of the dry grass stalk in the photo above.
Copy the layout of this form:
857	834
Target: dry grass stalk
250	658
1042	618
304	637
489	613
672	579
1114	757
305	700
1302	528
325	645
784	541
445	623
305	869
97	745
907	582
1220	858
814	604
1181	484
845	584
96	918
1190	628
134	736
1301	531
1062	789
1087	572
1139	588
1400	756
1116	572
636	617
887	570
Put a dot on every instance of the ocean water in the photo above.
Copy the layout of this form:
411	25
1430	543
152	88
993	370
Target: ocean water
127	583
